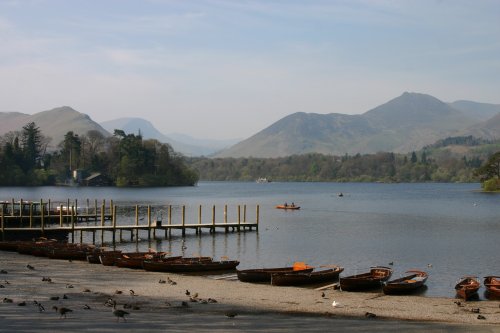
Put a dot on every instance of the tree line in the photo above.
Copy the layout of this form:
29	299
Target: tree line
120	160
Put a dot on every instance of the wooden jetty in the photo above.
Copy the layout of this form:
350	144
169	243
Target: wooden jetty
69	221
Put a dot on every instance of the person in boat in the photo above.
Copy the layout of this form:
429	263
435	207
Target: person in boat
292	205
286	204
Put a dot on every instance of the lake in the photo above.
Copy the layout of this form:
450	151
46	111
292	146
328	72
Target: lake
449	230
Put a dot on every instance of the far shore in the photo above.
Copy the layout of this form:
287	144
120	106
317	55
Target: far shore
153	306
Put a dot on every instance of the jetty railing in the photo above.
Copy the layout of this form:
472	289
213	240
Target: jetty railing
31	219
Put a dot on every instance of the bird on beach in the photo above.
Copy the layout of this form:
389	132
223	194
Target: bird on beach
211	300
119	313
30	267
6	282
39	305
187	292
54	298
7	300
86	307
69	286
132	293
46	279
481	317
2	286
23	303
65	297
162	281
335	304
370	315
230	314
3	271
62	311
118	292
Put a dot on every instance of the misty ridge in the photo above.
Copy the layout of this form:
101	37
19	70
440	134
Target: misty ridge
404	124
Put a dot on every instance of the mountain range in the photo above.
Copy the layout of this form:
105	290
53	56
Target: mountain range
403	124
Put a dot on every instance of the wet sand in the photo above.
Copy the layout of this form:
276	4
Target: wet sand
158	307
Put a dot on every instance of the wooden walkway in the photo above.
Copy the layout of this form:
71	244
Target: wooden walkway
44	224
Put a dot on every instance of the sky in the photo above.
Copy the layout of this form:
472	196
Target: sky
226	69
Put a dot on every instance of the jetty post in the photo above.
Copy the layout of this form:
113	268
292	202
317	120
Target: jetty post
42	217
198	230
257	219
239	217
136	224
72	224
183	220
169	213
113	217
2	222
60	216
31	215
226	229
149	222
212	230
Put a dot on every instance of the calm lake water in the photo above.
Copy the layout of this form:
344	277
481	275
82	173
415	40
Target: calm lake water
449	230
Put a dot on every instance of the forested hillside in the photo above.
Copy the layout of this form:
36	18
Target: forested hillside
449	160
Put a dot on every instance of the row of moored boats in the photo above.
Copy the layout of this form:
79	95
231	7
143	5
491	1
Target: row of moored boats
298	274
150	260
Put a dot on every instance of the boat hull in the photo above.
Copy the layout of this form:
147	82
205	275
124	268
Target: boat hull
407	284
301	278
366	281
264	274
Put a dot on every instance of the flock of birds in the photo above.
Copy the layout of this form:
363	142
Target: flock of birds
63	311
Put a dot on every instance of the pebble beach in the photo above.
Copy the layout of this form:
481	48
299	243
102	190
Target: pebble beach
159	302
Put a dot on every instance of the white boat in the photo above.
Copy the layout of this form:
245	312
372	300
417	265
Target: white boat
263	180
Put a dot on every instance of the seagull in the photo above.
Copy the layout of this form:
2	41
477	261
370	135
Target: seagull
119	313
195	295
335	304
62	311
30	267
429	265
476	310
132	293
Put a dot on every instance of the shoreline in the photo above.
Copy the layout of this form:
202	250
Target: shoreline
94	284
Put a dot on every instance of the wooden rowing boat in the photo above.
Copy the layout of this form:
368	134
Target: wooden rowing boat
294	279
407	284
190	266
264	274
370	280
134	260
467	287
164	264
492	284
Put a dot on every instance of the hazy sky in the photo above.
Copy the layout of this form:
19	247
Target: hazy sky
229	68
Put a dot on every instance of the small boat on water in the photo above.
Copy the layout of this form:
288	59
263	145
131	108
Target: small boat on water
407	284
288	207
371	280
264	274
467	287
300	278
492	284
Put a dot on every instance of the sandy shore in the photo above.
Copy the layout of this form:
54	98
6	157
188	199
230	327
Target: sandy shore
158	306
